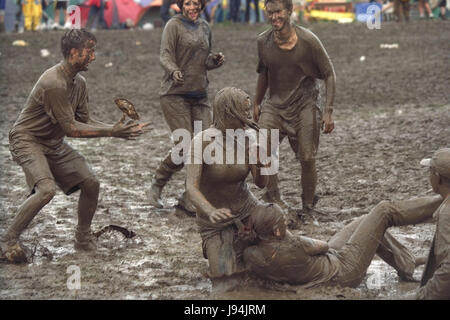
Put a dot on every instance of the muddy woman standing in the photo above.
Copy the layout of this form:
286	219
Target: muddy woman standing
185	57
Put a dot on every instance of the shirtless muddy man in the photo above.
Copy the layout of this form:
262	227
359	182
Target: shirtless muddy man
57	107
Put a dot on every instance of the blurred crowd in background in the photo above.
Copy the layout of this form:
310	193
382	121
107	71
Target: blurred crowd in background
36	15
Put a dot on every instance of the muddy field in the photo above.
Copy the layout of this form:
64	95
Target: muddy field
392	109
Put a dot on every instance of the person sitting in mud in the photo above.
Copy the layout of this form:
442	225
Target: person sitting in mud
228	214
57	107
435	282
344	259
185	57
224	204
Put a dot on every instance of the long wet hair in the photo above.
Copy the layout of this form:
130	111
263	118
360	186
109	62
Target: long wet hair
231	102
180	4
75	38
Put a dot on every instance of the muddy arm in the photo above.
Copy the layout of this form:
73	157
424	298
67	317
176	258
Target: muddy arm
259	179
314	247
194	174
167	56
193	178
261	87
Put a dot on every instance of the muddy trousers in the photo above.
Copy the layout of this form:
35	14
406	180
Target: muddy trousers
180	113
390	249
358	251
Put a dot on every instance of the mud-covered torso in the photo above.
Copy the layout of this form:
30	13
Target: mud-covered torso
223	184
185	46
54	96
292	73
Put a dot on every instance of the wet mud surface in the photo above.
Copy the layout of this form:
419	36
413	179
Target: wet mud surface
392	109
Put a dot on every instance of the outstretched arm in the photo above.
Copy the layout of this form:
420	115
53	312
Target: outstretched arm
60	111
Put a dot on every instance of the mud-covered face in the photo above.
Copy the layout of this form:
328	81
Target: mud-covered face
83	57
192	9
277	15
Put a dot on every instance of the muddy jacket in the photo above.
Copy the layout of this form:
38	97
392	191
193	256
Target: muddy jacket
186	47
436	277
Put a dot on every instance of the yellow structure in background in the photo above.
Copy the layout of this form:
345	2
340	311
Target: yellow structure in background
32	14
331	16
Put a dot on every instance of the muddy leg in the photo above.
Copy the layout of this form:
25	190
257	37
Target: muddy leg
44	191
272	195
309	182
177	112
87	205
357	254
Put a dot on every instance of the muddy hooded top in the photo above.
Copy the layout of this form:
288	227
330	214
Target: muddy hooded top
186	46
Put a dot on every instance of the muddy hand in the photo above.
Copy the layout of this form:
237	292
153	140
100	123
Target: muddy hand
219	59
256	112
220	214
126	131
327	124
177	77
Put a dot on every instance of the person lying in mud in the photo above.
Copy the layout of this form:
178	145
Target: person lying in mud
228	214
185	57
344	259
57	107
435	283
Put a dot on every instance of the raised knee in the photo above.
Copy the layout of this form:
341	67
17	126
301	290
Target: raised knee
384	208
384	205
91	185
46	190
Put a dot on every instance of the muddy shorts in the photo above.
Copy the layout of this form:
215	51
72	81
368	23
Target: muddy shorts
62	164
181	112
225	249
304	128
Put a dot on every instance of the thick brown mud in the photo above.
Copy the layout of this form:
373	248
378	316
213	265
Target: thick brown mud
392	109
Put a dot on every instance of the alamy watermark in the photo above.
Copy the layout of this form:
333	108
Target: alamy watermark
241	147
372	17
74	280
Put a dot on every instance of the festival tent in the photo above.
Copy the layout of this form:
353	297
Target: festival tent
119	11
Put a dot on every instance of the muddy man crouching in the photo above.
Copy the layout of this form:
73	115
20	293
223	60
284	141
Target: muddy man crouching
57	107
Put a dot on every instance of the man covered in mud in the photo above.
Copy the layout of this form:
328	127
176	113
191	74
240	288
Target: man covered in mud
435	282
291	60
345	258
57	107
186	57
